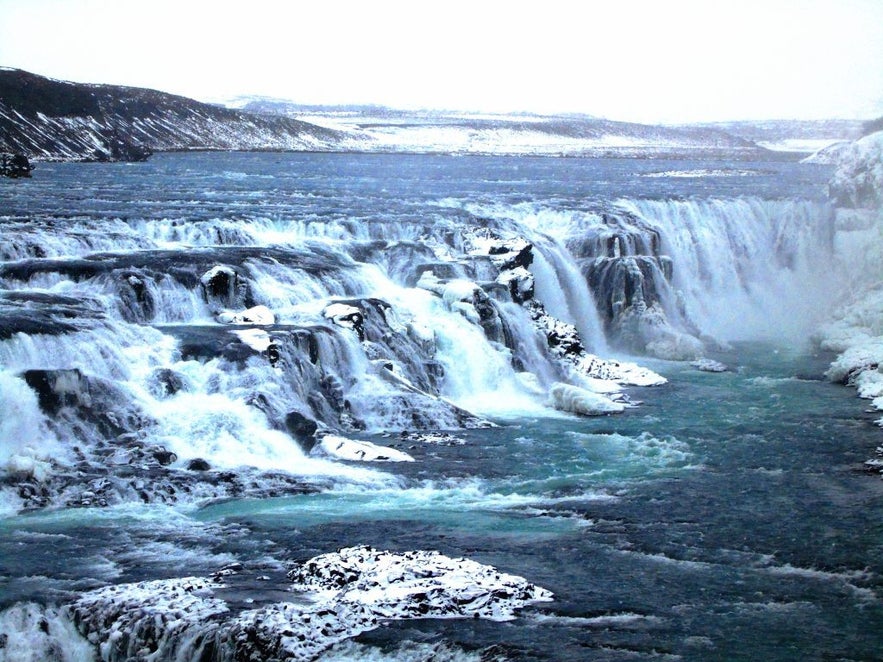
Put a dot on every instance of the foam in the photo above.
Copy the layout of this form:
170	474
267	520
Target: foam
35	633
28	448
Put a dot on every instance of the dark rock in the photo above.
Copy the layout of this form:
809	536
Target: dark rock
198	464
163	455
15	165
136	300
224	288
302	428
58	388
165	382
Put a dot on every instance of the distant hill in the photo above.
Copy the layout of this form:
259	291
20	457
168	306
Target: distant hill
377	128
792	135
58	120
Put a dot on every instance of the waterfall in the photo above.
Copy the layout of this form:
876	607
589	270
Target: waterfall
661	274
373	315
747	268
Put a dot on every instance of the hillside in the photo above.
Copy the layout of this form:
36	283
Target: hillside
803	136
57	120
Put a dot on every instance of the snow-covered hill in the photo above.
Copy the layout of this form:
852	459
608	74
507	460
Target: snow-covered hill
57	120
50	119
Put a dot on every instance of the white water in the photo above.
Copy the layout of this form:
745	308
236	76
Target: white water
748	268
744	268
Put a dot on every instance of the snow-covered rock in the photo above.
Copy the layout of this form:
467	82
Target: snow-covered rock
334	597
417	584
564	342
362	451
520	283
346	316
260	315
709	365
437	438
858	180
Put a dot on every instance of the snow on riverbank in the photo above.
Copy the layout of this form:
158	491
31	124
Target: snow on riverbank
856	329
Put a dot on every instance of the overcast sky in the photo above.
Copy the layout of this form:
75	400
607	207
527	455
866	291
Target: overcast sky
636	60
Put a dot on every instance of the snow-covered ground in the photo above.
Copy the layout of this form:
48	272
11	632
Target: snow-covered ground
856	329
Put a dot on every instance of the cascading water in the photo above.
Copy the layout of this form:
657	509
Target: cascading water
665	273
203	329
747	268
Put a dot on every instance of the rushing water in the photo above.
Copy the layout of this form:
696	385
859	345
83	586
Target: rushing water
723	518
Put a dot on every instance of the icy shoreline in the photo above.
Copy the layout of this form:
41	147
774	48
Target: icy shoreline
856	328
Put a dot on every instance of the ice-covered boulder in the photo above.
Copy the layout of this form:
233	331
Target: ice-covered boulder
418	584
436	438
343	448
709	365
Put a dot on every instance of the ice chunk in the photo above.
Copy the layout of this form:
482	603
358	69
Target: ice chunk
361	451
576	400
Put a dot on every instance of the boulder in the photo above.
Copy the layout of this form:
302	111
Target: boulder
709	365
302	428
223	288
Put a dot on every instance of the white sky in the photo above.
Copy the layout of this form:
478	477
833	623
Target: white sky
636	60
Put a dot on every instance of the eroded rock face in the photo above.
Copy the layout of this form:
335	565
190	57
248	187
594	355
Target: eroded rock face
630	279
334	597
